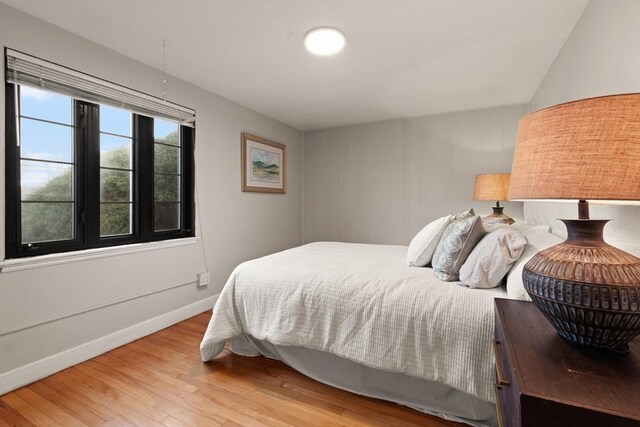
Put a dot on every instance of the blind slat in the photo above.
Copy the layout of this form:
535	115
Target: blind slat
27	70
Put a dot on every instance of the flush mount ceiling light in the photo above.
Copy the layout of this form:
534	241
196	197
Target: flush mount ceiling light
324	41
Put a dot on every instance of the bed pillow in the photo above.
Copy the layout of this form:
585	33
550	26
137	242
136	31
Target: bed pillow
457	242
492	258
526	227
538	238
424	244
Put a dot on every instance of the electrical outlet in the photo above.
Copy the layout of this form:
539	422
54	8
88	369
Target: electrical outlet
203	279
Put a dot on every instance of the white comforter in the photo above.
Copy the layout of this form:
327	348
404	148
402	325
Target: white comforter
362	303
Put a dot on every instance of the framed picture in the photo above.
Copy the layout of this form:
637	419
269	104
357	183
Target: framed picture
264	165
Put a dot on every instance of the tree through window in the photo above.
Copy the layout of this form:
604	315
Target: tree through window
83	175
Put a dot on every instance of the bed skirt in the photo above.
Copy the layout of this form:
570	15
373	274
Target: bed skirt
425	396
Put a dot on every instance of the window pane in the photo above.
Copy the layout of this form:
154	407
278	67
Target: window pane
166	216
167	188
166	132
166	159
115	152
115	219
115	120
46	141
43	181
115	186
44	222
45	105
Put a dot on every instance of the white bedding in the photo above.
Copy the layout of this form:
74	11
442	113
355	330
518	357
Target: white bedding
362	303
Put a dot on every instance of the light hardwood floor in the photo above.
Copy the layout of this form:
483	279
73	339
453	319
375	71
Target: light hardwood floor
160	380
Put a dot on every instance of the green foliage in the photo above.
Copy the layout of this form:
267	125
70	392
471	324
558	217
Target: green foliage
42	222
166	187
114	219
48	221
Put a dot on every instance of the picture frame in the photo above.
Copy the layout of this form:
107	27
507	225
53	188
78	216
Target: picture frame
264	165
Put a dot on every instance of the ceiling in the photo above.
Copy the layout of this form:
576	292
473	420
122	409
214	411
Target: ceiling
402	58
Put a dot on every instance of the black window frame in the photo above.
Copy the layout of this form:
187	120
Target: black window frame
87	183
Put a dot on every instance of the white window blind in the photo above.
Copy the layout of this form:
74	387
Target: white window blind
28	70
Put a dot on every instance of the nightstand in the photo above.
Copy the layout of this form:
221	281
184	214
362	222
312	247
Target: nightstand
542	380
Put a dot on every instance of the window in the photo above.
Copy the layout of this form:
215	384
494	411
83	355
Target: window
116	172
84	175
47	164
167	176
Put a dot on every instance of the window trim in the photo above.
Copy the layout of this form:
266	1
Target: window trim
40	261
87	185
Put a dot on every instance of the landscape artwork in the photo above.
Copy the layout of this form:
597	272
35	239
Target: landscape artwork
263	165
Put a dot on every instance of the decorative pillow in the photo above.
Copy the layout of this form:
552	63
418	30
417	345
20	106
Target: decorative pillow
538	238
424	244
492	258
454	247
464	215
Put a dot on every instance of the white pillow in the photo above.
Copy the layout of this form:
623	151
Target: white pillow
538	238
526	227
492	258
424	244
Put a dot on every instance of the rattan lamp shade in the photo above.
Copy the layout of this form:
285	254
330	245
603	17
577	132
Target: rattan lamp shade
491	186
583	150
588	149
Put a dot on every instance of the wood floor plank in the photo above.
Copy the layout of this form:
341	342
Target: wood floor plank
223	403
80	412
180	406
271	379
9	416
55	412
174	422
107	396
159	380
277	404
75	395
28	411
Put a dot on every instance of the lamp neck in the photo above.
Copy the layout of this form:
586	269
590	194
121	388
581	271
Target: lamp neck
498	210
585	232
583	209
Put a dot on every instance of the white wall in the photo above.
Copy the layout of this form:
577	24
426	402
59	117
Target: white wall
600	57
381	182
56	308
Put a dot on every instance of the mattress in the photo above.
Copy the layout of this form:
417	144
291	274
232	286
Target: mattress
363	304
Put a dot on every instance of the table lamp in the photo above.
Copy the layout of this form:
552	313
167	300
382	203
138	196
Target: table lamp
494	187
587	150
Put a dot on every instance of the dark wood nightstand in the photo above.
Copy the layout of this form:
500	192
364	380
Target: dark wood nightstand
542	380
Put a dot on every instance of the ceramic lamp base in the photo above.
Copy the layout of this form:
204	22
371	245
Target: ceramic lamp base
587	289
498	217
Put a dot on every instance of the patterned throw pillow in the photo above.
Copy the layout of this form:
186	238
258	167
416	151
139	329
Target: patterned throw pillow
465	214
455	245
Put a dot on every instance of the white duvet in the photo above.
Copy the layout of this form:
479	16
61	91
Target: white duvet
362	303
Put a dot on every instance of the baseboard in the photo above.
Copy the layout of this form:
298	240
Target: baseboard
50	365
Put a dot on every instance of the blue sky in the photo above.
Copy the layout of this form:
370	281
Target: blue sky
49	141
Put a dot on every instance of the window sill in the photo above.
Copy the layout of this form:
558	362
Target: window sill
18	264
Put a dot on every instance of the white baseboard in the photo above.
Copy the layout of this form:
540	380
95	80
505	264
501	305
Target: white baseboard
50	365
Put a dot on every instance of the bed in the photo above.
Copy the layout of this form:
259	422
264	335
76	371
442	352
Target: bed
356	317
